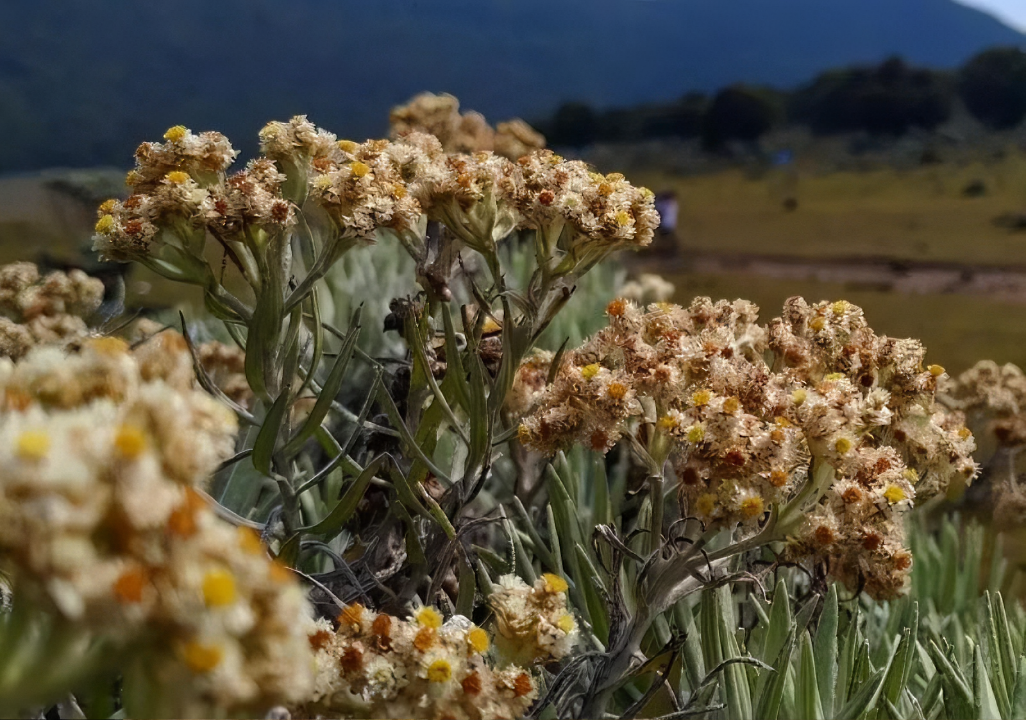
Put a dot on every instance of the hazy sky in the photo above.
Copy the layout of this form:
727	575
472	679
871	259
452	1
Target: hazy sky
1012	12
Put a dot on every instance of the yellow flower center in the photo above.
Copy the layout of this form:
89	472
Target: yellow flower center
554	583
668	423
839	307
201	658
176	133
701	397
817	323
130	441
566	623
219	588
429	617
833	377
623	218
706	504
751	507
107	206
346	146
33	445
842	445
731	405
936	370
439	671
696	433
351	615
589	371
617	391
799	396
894	494
177	177
105	224
478	640
359	169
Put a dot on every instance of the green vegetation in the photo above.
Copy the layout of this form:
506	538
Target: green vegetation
888	99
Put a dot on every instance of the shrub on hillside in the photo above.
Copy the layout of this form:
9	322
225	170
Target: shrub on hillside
742	113
993	87
888	99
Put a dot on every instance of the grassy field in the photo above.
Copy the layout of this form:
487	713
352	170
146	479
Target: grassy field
920	214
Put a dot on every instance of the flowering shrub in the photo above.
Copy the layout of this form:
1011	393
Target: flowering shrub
286	519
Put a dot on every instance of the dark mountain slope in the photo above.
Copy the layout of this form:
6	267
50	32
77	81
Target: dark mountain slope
83	81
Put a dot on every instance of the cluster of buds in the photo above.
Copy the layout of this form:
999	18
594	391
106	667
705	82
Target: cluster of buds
182	196
44	310
532	623
439	115
378	665
647	289
751	415
994	401
181	193
102	521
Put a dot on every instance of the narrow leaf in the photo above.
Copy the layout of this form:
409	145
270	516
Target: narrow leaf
332	525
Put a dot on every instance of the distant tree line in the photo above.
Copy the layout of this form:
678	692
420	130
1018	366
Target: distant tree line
887	99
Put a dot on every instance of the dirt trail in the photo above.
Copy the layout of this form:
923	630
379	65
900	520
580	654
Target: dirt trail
1006	283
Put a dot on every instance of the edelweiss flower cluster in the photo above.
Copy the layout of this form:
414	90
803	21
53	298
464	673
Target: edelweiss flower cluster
748	414
181	192
182	195
100	519
532	623
439	115
995	396
378	665
36	310
994	400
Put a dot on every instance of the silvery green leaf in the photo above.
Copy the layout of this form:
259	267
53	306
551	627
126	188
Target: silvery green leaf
772	691
331	525
958	697
329	390
864	699
807	699
985	705
825	651
267	438
1018	704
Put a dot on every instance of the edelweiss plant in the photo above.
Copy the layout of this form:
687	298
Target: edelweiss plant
812	430
286	518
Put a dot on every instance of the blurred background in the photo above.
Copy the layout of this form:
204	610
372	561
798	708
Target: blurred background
873	150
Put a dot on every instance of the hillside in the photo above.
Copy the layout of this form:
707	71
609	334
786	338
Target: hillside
83	81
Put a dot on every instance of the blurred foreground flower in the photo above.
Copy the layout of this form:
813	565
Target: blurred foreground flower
102	523
44	310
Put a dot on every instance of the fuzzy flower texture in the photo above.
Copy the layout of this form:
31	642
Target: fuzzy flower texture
44	310
993	398
748	415
183	197
378	665
104	451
